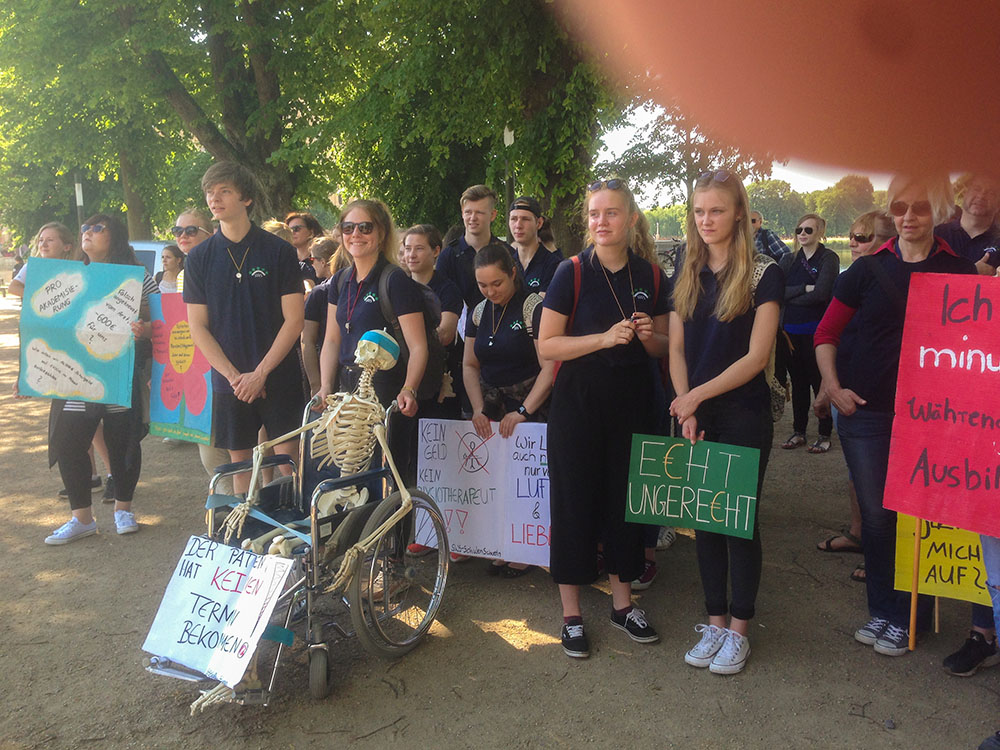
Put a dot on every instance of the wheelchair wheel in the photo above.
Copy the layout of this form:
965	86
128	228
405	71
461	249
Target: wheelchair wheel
319	673
394	597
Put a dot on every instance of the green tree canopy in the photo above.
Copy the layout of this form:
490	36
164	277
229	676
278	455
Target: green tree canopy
780	206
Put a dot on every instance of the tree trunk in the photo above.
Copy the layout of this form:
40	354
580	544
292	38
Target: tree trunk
140	227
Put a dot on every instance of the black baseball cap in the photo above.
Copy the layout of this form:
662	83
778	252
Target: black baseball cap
526	203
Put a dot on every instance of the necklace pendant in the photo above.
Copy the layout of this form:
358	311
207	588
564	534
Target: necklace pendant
239	276
490	342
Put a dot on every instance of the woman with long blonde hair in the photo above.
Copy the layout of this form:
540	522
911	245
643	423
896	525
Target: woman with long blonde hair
722	331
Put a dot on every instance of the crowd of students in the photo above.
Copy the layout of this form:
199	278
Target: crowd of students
279	320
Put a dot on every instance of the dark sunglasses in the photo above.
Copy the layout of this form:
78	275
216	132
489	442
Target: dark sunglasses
297	227
719	175
803	230
861	238
348	227
95	228
191	230
612	184
920	208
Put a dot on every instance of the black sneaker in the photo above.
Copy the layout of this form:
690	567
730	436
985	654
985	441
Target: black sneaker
975	653
574	641
109	489
95	484
634	623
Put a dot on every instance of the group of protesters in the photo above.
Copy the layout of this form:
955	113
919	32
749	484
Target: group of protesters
279	320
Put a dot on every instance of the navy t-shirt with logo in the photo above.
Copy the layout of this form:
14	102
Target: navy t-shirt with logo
542	266
244	314
358	304
600	297
317	305
512	358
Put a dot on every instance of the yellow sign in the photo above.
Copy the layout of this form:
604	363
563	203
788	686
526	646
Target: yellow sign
951	561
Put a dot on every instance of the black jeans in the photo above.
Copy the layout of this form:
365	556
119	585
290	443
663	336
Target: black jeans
76	431
804	373
721	556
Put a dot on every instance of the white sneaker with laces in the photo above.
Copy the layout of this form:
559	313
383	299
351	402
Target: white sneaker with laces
71	531
705	649
125	522
733	655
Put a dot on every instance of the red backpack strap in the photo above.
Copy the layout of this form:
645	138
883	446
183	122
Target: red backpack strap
577	281
656	282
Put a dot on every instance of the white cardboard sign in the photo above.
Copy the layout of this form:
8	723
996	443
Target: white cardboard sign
493	493
215	608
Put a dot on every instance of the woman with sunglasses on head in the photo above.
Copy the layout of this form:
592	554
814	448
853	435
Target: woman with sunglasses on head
727	300
72	424
604	330
354	308
810	271
862	390
173	263
868	233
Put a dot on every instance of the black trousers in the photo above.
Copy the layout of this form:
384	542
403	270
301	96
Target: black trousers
804	373
594	411
76	431
720	557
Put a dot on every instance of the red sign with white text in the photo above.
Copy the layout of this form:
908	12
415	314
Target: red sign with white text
944	459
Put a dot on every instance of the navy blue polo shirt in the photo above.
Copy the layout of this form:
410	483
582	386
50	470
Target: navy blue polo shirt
244	315
358	304
872	362
972	248
711	346
317	305
308	272
447	293
598	310
512	357
538	275
456	263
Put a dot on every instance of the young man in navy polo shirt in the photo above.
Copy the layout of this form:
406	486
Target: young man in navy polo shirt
243	290
534	262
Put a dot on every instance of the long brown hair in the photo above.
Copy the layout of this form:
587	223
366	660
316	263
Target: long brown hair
734	280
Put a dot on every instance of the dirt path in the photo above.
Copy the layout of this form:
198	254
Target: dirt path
492	674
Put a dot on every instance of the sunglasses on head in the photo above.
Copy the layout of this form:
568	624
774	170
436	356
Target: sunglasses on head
861	238
803	230
95	228
348	227
920	208
613	184
190	231
719	175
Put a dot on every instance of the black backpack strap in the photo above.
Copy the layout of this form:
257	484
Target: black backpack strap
887	284
385	304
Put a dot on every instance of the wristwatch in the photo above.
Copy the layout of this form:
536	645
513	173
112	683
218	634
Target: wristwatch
522	411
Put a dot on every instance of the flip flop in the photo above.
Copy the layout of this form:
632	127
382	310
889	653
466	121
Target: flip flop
854	546
509	572
822	445
797	439
859	574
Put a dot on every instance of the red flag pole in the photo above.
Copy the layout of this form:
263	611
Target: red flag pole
915	583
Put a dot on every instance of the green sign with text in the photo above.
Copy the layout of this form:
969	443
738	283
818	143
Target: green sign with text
707	486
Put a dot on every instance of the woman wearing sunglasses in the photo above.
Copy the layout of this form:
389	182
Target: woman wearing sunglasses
604	317
810	271
862	390
304	228
868	233
72	424
192	228
727	300
354	308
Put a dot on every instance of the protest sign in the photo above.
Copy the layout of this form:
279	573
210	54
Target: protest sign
707	486
181	398
493	493
216	607
943	460
951	561
76	334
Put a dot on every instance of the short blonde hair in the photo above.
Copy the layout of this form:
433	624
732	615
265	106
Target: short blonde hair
937	188
278	228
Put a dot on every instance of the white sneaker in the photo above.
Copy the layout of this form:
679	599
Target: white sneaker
704	651
733	655
71	531
666	537
125	522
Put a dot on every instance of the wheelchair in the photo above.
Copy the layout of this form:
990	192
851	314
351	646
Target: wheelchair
350	560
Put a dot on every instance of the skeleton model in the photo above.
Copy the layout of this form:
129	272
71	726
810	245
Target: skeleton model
345	435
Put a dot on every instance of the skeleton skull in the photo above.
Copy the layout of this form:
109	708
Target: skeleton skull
376	350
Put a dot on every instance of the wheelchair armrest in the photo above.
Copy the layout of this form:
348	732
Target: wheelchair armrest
278	459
